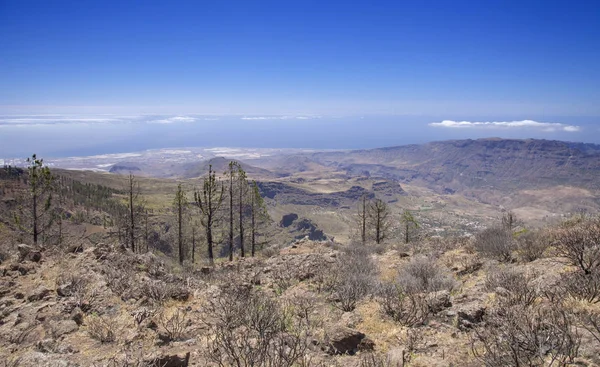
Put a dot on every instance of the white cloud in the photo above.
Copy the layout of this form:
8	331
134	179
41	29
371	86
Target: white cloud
524	124
172	120
280	117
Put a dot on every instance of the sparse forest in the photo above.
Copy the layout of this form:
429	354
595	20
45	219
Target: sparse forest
198	281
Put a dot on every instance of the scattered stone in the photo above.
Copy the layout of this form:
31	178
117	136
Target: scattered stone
38	294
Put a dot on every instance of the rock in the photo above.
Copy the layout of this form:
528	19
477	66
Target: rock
38	294
180	294
77	316
63	327
170	360
47	346
438	301
27	252
205	270
470	314
343	340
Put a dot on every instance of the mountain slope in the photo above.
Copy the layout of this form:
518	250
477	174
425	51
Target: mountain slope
491	163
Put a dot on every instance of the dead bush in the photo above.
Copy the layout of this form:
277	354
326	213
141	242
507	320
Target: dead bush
104	329
526	336
495	243
248	328
173	325
77	287
513	287
591	322
582	286
578	240
423	275
406	308
532	245
352	277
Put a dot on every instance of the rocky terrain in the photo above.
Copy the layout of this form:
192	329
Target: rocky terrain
317	303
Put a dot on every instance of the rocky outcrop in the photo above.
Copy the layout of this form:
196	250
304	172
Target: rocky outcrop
343	340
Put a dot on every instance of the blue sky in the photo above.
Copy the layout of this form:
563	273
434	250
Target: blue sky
421	61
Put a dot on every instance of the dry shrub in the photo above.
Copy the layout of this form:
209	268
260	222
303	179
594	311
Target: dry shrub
578	240
248	328
591	322
173	325
352	277
526	336
582	286
532	245
495	243
423	275
102	328
78	288
512	286
408	309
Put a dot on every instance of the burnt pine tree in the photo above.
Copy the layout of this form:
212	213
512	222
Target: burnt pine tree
231	176
409	222
135	210
379	218
242	188
180	203
209	201
259	216
35	215
363	215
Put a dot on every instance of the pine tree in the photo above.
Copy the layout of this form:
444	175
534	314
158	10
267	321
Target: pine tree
379	217
259	216
180	203
409	221
35	215
242	188
209	201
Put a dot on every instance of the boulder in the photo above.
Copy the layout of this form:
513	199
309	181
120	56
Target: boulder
343	340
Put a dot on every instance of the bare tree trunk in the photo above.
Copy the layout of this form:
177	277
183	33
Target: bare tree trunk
35	218
193	244
131	215
253	226
231	211
241	209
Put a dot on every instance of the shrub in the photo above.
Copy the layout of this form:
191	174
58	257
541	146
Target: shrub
591	322
249	329
531	245
406	308
582	286
578	240
512	286
496	243
526	336
103	329
173	325
423	274
352	277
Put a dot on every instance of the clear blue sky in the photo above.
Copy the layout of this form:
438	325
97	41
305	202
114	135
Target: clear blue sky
457	60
